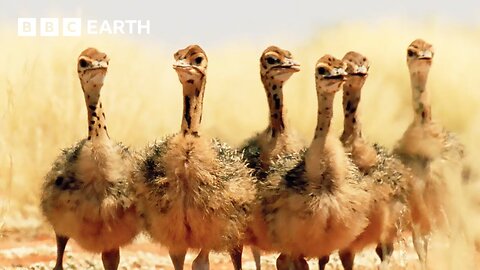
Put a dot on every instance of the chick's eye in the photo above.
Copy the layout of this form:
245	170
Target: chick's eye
59	181
83	63
410	53
271	60
198	60
321	71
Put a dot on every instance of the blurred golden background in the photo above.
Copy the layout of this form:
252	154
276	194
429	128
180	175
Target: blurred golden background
42	108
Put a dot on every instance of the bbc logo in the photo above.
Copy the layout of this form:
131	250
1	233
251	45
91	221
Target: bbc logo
49	27
72	27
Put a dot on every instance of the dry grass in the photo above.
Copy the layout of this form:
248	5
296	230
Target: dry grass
42	107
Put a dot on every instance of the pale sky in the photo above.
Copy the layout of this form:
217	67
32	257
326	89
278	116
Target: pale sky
210	22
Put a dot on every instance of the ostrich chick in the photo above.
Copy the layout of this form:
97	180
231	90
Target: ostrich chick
276	67
434	154
385	175
277	141
195	193
321	204
88	194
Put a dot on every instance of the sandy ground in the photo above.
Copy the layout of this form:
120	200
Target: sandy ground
35	249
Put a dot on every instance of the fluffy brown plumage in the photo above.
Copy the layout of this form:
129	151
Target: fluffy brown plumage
320	203
96	209
194	192
88	194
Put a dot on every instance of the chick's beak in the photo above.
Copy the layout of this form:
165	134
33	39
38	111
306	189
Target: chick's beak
339	72
427	54
99	64
360	71
291	64
181	65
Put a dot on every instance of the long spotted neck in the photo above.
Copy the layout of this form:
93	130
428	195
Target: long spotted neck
324	117
352	128
316	158
97	128
274	91
193	91
420	96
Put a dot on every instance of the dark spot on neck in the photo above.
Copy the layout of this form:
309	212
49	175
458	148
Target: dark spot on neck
277	101
353	109
92	107
190	81
187	115
197	92
349	105
274	87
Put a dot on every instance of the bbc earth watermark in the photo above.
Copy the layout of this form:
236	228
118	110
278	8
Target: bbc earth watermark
76	27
